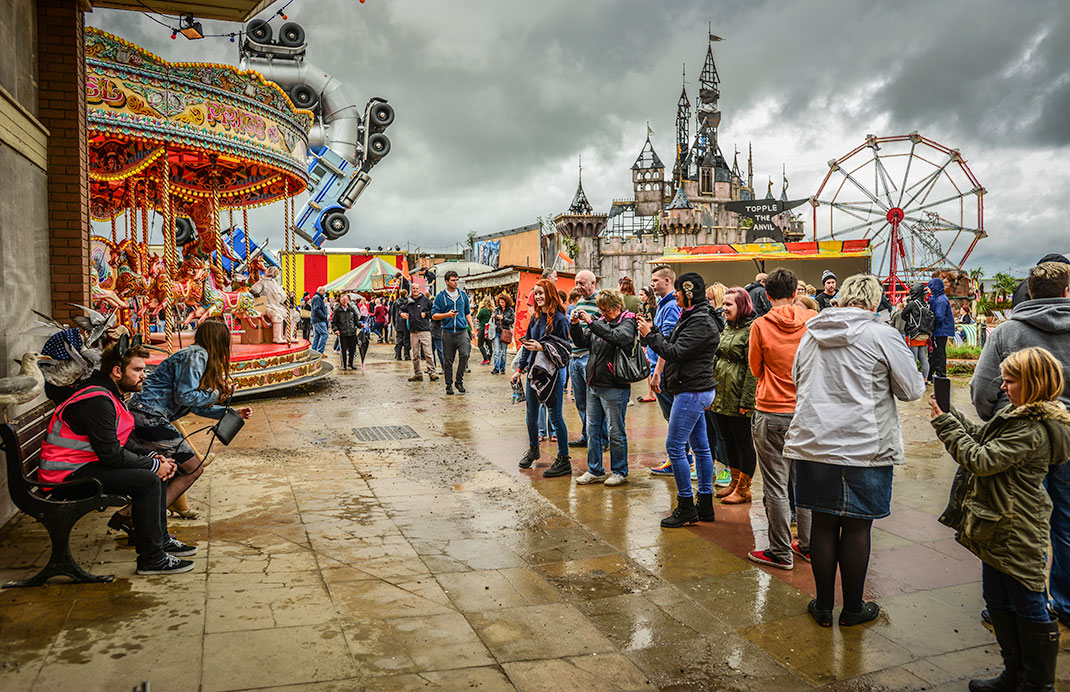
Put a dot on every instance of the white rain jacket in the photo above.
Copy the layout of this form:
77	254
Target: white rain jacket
849	370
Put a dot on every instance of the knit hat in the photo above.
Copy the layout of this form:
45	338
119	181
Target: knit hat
826	275
693	287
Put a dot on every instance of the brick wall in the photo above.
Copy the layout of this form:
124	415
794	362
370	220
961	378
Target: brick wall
62	109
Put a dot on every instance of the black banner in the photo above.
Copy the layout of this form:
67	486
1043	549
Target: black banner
762	211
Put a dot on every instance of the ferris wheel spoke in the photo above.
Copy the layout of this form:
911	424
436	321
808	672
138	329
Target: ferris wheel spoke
860	226
930	205
863	189
925	238
946	225
906	175
885	179
927	183
848	207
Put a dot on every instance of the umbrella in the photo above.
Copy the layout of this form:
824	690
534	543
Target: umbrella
363	341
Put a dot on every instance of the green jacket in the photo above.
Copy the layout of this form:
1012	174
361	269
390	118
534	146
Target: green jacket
736	383
998	506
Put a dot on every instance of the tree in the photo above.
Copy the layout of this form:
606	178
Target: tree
1005	285
471	239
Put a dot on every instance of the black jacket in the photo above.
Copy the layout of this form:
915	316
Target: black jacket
345	321
689	351
419	311
319	309
96	418
758	298
604	339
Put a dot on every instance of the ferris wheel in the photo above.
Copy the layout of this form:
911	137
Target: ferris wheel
917	201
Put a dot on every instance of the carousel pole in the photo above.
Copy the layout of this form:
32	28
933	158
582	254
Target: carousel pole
114	237
144	255
290	261
169	254
245	234
215	219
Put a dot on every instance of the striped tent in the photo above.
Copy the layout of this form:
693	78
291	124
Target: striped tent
359	280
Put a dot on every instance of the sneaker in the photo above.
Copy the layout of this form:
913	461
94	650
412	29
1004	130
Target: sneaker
416	378
461	389
168	564
724	478
764	558
616	479
175	547
433	377
582	442
798	551
589	478
663	470
449	390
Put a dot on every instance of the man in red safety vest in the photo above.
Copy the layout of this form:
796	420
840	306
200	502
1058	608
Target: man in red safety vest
85	440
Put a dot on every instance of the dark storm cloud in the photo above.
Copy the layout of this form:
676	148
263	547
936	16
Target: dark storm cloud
496	99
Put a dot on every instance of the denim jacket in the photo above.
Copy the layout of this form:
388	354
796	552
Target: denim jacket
172	390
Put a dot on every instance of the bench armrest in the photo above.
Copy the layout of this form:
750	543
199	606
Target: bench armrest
75	483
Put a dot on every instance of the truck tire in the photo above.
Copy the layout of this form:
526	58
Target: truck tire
304	96
382	115
335	225
378	146
184	232
291	35
258	31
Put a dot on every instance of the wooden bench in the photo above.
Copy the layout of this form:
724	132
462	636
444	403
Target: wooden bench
21	439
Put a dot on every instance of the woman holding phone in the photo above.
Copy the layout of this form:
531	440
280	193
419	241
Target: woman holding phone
547	321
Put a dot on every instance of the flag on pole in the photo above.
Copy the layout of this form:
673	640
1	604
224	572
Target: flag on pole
563	261
405	267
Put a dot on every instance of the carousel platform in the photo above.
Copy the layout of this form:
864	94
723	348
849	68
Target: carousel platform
263	369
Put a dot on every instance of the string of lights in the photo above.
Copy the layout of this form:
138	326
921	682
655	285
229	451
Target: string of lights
191	29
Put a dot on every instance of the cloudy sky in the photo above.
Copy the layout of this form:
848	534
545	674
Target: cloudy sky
496	100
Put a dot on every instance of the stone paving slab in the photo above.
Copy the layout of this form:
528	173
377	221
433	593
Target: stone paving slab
327	564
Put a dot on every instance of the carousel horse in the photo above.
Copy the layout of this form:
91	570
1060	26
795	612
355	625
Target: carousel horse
102	281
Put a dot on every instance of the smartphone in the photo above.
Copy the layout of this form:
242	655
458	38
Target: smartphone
942	392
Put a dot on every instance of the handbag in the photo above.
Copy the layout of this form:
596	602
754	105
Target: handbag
631	366
507	336
306	314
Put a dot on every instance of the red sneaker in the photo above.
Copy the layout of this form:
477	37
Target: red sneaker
795	549
763	558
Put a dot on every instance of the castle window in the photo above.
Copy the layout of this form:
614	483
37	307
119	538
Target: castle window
706	177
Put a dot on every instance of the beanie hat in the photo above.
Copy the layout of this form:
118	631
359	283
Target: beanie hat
693	287
1054	257
826	275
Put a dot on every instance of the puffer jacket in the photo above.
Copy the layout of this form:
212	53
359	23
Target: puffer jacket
998	506
736	384
688	351
604	338
849	370
941	307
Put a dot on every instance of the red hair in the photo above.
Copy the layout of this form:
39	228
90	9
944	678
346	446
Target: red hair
552	303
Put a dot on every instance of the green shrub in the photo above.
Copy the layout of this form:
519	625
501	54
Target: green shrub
964	352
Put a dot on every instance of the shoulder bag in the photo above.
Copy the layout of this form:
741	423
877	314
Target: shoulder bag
632	365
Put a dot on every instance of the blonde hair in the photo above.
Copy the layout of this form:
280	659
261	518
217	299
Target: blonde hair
860	291
807	302
715	293
486	303
1039	372
608	298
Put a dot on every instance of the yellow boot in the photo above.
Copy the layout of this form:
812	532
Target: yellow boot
730	488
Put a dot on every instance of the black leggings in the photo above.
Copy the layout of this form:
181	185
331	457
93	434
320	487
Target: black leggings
842	542
738	444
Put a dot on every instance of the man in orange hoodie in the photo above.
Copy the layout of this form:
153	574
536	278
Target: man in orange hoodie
774	339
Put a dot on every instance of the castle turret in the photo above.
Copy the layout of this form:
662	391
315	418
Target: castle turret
648	180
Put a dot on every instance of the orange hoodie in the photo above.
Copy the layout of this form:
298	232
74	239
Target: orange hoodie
774	338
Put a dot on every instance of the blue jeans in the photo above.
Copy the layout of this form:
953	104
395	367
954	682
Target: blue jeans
500	349
1058	485
577	372
556	419
1004	593
544	414
608	405
665	404
319	336
687	423
436	350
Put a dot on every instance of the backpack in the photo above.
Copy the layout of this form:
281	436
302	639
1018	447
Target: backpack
921	320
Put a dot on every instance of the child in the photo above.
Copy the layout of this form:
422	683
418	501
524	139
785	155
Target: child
1001	512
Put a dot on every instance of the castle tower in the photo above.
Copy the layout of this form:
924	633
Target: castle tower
683	119
648	180
580	221
709	161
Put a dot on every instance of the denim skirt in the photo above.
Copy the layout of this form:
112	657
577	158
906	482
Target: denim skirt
861	492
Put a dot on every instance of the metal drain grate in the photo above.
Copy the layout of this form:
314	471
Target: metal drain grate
385	432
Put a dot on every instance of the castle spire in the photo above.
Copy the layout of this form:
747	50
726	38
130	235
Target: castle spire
683	117
708	116
580	205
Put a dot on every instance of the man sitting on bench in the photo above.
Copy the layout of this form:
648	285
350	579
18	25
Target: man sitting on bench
85	439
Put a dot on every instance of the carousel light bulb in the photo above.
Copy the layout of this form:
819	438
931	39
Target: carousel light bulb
174	34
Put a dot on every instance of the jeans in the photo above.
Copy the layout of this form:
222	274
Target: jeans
319	336
921	354
1004	593
149	494
455	345
938	362
768	431
665	404
557	421
577	372
421	346
1058	485
500	349
687	423
608	405
402	347
436	350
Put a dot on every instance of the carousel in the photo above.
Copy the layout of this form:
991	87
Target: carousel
181	146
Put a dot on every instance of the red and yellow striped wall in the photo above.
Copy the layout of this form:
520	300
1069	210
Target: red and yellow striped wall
314	269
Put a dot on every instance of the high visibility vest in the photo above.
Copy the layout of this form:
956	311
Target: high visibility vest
63	451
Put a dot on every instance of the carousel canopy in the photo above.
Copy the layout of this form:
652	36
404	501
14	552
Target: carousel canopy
231	138
227	10
362	279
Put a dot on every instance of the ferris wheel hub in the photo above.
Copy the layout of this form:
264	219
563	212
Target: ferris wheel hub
895	216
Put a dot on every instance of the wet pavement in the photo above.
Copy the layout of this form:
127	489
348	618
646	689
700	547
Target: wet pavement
329	563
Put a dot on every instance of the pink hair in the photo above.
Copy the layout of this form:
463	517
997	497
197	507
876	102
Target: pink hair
744	306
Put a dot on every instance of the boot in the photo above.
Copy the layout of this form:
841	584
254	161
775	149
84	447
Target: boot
704	507
742	492
562	466
181	507
725	492
684	514
529	457
1039	644
1005	625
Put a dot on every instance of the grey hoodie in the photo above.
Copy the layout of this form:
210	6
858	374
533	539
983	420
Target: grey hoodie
848	372
1043	322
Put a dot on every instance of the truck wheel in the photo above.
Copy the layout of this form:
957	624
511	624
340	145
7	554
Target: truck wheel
259	31
378	145
335	225
303	96
382	115
184	232
291	35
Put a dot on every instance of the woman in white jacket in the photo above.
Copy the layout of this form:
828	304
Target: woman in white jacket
845	438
